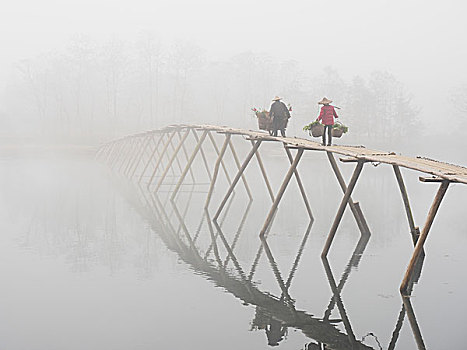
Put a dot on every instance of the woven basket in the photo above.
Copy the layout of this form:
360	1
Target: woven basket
317	130
337	132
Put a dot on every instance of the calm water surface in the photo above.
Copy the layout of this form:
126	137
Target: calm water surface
90	261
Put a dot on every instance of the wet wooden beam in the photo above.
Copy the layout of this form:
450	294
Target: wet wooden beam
354	206
282	189
423	236
237	177
340	211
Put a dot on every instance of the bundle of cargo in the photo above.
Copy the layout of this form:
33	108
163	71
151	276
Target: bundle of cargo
264	120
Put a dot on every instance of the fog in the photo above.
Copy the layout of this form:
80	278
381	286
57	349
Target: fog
89	71
98	252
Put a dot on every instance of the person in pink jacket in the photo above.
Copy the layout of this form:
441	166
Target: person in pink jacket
327	115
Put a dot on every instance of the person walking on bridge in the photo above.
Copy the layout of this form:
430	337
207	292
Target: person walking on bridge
327	115
280	115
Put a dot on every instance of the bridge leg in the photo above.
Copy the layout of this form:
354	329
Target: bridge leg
354	206
415	231
263	172
190	162
143	151
282	189
423	236
128	146
300	185
202	151
117	150
156	147
132	154
172	158
237	177
139	155
159	160
213	141
186	157
175	160
237	162
216	169
340	211
109	152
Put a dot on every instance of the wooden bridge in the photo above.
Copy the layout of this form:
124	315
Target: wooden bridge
148	157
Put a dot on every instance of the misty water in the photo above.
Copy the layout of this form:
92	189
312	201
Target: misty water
90	260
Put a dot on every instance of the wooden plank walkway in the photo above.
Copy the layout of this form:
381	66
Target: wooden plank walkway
451	172
125	155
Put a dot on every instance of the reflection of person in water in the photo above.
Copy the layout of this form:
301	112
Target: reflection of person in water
275	331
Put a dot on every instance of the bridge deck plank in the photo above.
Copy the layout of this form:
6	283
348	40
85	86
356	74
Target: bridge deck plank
451	172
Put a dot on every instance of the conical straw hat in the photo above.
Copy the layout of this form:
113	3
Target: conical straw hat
324	101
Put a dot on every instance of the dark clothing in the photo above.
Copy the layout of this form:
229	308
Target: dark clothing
329	129
327	115
280	115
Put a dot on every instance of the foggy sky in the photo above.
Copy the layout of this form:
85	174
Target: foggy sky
422	43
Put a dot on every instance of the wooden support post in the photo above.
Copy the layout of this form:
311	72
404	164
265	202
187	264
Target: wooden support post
263	172
237	177
202	151
423	236
300	185
237	162
142	152
213	141
216	169
354	206
116	154
282	189
340	211
186	157
110	153
156	146
172	158
128	145
132	154
413	230
164	149
190	162
139	153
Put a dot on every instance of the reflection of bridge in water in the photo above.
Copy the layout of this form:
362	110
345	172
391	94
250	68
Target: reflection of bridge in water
149	158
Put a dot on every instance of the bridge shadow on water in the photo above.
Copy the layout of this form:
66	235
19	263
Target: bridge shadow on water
209	250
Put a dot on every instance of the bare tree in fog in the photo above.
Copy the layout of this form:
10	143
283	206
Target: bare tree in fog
114	65
185	58
36	75
151	55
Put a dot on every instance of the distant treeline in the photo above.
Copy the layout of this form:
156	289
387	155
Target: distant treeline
91	92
